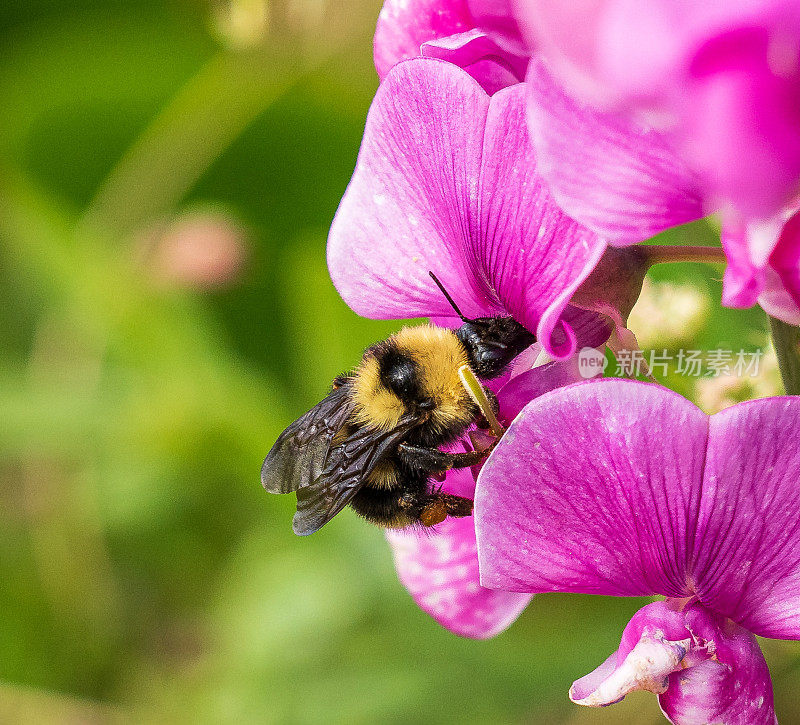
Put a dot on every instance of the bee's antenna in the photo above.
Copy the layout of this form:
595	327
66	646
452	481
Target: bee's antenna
447	296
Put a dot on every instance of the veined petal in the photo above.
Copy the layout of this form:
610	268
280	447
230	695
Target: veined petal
618	487
407	210
624	181
704	669
594	489
446	182
532	254
748	542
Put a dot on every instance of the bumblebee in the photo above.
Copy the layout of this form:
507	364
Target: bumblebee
374	441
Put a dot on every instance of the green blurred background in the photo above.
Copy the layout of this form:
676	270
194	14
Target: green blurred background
168	171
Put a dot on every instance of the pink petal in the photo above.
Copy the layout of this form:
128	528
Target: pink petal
785	261
530	384
736	101
440	570
618	487
723	76
404	25
744	280
703	668
567	35
496	17
747	545
445	30
481	57
592	489
624	181
446	182
764	265
535	255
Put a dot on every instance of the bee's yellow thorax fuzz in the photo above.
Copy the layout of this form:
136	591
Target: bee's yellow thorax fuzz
439	354
375	405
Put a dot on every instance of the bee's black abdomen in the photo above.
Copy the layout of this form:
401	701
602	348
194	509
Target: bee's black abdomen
410	504
393	507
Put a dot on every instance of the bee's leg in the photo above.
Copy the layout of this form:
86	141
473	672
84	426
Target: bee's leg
432	460
395	505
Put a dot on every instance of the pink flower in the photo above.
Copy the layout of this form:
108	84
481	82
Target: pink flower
725	77
627	182
440	568
448	29
627	489
446	182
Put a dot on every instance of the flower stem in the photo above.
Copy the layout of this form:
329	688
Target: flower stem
660	254
786	339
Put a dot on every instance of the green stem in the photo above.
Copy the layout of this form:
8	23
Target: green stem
786	339
662	254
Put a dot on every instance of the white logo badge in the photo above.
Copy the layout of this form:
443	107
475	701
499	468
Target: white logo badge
591	362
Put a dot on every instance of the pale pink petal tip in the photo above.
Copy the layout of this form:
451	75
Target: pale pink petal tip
764	265
703	668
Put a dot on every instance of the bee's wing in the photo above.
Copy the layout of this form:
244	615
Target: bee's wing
346	469
298	457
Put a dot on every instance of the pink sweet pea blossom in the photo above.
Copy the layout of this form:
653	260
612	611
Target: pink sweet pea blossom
627	489
446	182
663	112
627	182
448	29
704	97
724	76
440	569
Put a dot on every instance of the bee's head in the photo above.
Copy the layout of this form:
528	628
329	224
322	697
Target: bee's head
492	343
